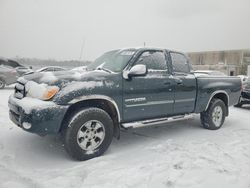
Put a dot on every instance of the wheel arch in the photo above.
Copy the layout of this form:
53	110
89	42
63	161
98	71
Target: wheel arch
105	103
222	95
2	77
3	81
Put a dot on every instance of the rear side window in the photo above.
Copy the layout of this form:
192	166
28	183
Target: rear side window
154	60
179	63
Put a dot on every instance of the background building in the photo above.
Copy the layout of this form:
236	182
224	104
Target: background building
231	62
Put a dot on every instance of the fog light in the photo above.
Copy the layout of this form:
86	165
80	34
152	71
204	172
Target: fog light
26	125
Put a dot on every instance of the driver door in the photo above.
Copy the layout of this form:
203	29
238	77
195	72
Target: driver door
149	96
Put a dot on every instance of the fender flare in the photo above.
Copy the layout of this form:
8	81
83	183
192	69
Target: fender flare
215	93
101	97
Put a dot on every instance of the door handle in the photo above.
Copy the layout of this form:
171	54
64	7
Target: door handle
178	81
167	83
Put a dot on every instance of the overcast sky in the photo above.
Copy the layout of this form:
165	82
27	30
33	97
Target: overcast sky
58	29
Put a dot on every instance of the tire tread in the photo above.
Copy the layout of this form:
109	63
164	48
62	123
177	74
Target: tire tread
206	116
69	140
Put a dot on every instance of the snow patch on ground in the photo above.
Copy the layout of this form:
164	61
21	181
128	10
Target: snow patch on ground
180	154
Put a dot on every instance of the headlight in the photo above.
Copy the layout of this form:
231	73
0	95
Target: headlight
50	92
40	91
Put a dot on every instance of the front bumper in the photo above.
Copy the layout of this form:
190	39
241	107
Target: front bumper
42	117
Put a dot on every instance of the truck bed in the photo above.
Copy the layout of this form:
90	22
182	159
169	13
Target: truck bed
207	87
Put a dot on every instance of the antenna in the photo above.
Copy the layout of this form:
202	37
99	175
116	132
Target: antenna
82	47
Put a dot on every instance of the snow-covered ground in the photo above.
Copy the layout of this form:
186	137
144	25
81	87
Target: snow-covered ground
173	155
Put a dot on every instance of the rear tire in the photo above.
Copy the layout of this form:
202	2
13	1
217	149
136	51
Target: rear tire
214	117
2	83
88	134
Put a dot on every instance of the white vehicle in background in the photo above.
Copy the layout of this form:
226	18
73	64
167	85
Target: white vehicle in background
81	68
11	64
8	76
48	69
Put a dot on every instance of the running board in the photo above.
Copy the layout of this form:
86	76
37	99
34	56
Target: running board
144	123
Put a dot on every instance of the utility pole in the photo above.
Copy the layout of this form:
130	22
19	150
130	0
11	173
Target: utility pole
82	47
242	56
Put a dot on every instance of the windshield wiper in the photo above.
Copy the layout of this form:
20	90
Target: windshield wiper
104	69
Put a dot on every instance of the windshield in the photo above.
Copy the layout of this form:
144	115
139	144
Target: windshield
114	61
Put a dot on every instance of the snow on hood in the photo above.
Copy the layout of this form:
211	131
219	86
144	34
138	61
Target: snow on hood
60	78
78	88
35	90
72	83
79	85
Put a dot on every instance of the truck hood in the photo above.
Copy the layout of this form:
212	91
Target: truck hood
60	78
75	84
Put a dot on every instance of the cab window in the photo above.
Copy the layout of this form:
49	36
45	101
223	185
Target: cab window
154	60
179	63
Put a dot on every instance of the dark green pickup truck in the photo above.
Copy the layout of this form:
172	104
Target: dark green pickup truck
123	88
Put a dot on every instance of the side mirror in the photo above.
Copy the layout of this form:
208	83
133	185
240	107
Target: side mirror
137	70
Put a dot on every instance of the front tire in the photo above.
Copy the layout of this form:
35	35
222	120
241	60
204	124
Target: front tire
214	117
88	134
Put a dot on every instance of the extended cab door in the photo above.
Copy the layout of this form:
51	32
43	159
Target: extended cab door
151	95
185	84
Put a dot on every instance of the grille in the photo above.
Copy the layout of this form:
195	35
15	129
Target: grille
20	88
